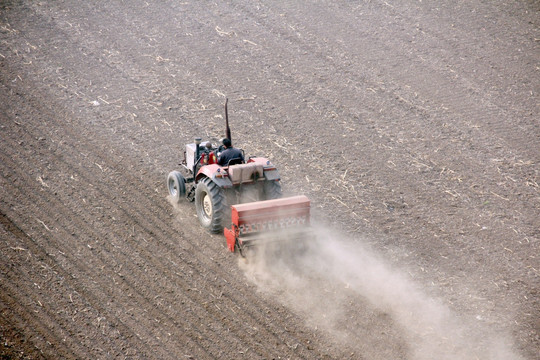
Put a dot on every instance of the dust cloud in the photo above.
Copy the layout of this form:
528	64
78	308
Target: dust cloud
352	295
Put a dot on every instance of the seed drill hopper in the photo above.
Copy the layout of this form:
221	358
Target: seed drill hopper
242	198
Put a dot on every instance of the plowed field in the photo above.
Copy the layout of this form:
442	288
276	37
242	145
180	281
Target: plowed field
413	127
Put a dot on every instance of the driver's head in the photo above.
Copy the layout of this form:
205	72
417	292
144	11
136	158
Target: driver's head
227	142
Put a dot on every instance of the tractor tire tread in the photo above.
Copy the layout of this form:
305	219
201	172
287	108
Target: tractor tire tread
218	205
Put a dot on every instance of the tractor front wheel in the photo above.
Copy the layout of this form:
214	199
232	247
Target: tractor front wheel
210	205
176	185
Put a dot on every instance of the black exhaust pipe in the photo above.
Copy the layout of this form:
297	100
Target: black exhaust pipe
227	128
197	156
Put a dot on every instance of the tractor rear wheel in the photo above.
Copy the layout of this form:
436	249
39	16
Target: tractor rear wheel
272	190
176	183
210	205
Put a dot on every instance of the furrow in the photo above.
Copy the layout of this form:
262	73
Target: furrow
149	258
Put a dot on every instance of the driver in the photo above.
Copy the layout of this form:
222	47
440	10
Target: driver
229	153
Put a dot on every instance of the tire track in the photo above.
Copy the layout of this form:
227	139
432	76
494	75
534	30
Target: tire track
145	228
51	324
96	290
110	255
43	339
151	227
67	211
45	334
146	258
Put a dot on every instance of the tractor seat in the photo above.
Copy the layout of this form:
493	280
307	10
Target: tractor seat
244	173
235	161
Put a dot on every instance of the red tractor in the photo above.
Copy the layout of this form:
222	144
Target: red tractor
217	191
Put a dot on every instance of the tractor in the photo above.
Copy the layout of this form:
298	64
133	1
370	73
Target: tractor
245	194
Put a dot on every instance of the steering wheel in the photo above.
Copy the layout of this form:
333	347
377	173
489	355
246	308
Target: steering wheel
219	150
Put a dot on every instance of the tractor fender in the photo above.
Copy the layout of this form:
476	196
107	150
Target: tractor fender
213	171
272	175
270	171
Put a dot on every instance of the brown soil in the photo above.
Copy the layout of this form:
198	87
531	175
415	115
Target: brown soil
412	125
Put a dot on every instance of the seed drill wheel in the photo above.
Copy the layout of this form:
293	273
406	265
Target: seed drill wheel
177	186
210	205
